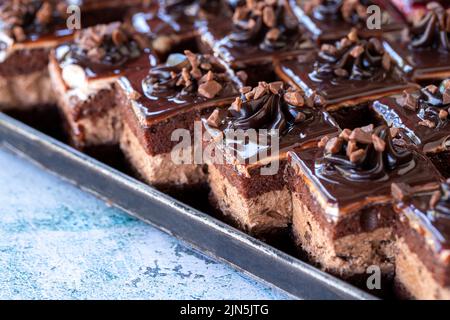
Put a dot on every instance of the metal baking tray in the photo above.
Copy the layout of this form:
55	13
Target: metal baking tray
200	230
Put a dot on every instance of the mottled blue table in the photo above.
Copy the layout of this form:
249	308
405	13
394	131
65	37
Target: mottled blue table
58	242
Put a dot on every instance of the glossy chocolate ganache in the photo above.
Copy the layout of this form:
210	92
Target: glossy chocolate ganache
363	154
352	58
432	30
350	11
270	106
24	21
266	24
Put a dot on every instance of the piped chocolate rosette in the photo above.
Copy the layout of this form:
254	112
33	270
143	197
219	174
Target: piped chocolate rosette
353	58
431	103
22	20
353	12
265	23
269	110
98	53
189	75
363	154
432	30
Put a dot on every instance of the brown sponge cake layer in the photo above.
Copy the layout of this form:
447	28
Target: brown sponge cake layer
265	213
158	170
346	256
26	91
415	278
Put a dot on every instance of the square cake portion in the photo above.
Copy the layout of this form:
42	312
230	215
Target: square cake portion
423	54
424	116
423	240
249	143
84	74
29	29
257	32
342	202
170	24
330	20
160	106
350	72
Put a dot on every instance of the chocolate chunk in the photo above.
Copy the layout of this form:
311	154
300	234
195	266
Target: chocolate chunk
386	61
236	105
351	147
345	134
323	142
394	131
432	89
269	18
214	119
427	123
361	136
273	34
19	34
353	35
356	51
209	89
369	128
446	97
294	98
357	156
245	90
378	143
276	87
192	58
410	101
334	145
435	199
400	191
443	114
260	92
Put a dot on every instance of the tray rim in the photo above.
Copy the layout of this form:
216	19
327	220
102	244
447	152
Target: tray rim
12	130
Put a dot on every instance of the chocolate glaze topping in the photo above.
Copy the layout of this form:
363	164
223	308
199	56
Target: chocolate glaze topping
27	19
105	47
353	12
364	154
188	75
432	30
265	23
267	106
352	58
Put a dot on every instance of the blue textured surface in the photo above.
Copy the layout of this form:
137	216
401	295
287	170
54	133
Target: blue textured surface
58	242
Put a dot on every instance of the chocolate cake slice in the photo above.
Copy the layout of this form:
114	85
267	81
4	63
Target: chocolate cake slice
249	143
156	102
350	72
258	31
84	74
342	202
170	24
424	52
330	20
423	240
28	31
423	114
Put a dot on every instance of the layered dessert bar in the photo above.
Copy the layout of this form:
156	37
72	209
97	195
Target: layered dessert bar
342	202
249	142
258	31
423	114
28	31
330	20
84	74
170	24
156	102
423	53
347	73
423	240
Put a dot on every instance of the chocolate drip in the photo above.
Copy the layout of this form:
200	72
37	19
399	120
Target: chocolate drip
432	30
105	46
187	75
352	58
263	23
363	155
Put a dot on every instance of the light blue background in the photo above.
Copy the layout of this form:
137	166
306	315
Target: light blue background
58	242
